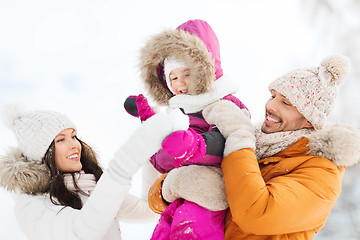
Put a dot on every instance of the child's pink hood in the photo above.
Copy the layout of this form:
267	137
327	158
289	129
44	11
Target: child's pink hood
203	30
195	43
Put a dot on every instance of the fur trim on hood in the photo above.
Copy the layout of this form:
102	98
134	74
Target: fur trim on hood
338	142
19	174
188	48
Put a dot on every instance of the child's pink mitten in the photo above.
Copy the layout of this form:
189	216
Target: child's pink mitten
138	106
184	146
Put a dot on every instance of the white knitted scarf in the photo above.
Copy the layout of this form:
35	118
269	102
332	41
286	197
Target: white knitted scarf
86	182
268	145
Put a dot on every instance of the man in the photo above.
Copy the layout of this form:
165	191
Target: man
282	179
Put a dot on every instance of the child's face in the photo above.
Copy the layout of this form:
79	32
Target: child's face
180	80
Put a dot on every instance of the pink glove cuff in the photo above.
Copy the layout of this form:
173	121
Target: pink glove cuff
144	110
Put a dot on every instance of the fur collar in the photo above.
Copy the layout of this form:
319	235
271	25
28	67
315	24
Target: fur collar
186	47
19	174
338	142
195	103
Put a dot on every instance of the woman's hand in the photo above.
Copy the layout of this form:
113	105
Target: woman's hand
145	141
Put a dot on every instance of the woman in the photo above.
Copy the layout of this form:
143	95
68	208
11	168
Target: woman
60	190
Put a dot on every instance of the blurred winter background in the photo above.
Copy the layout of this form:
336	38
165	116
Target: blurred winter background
80	58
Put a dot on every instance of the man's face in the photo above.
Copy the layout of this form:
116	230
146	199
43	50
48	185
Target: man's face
281	115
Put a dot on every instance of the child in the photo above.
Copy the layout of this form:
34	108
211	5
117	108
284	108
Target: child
182	69
60	191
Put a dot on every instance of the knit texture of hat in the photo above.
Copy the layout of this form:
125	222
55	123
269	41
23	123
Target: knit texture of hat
171	63
35	130
313	90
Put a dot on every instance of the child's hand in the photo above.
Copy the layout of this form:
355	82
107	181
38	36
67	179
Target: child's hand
184	146
138	106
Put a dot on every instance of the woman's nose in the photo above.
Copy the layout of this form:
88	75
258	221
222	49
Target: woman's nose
74	143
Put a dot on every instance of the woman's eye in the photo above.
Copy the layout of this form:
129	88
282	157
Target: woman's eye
287	103
73	137
173	79
60	140
187	75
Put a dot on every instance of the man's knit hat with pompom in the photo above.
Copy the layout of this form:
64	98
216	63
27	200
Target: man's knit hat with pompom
313	90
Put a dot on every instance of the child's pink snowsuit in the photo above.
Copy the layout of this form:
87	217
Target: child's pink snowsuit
183	219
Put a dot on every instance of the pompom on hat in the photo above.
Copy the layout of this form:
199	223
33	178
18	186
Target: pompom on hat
313	90
34	130
172	63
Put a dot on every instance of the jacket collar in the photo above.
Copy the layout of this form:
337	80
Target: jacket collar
195	103
339	143
19	174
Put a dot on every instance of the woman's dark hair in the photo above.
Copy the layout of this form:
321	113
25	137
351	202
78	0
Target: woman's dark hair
59	194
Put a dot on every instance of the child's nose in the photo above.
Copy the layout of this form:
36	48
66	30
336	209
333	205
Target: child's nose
182	82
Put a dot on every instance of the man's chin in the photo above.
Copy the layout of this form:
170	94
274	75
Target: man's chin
267	129
264	128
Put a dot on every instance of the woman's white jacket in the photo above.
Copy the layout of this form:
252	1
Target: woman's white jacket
99	218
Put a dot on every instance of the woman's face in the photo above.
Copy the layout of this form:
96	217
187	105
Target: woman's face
67	151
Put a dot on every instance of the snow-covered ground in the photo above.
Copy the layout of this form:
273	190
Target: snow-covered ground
80	58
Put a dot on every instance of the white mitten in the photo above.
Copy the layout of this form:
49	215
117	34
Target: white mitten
203	185
234	124
145	141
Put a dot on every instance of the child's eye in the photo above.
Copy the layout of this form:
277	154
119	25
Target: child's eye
187	75
173	79
73	137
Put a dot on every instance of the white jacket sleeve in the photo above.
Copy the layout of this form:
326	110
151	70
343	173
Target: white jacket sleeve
136	210
149	175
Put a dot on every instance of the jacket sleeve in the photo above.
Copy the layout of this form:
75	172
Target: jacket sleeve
298	201
237	101
156	201
40	219
136	210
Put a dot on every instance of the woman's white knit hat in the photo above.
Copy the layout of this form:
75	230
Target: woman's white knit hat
172	63
35	130
313	90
